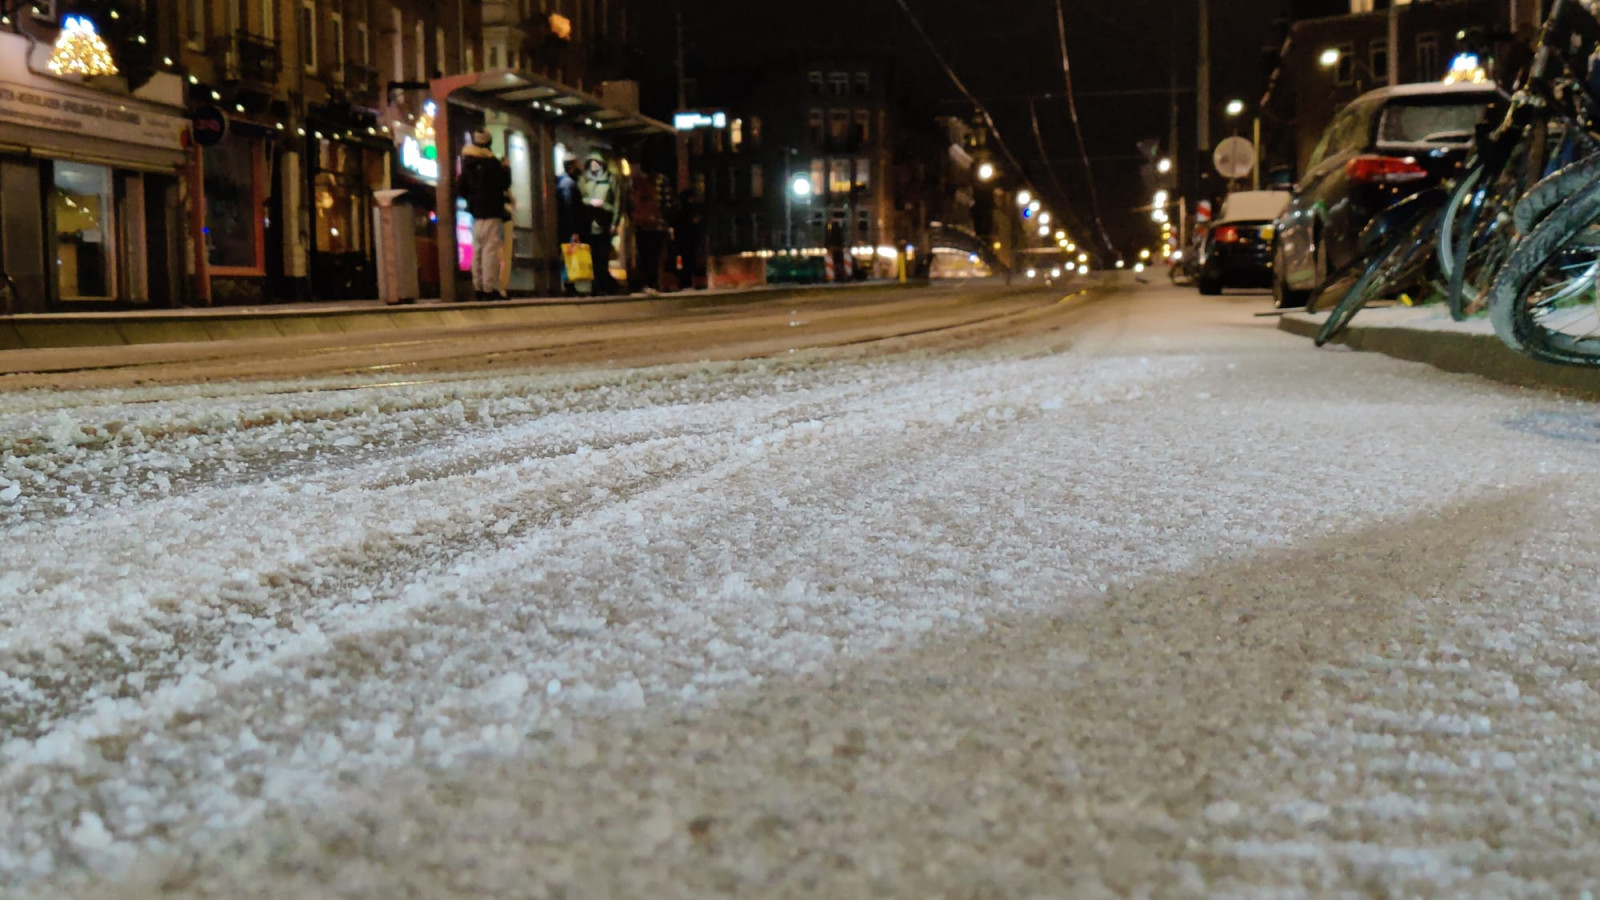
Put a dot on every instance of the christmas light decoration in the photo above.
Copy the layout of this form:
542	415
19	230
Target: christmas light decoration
80	51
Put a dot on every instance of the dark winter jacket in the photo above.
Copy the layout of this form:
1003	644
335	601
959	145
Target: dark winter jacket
567	203
484	183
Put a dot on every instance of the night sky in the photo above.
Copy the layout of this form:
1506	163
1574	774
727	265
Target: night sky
1007	50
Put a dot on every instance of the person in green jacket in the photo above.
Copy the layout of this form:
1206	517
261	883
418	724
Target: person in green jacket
600	204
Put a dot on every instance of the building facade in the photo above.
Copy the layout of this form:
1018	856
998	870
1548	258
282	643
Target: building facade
234	156
804	162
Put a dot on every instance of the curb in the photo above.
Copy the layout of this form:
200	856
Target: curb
1456	351
120	329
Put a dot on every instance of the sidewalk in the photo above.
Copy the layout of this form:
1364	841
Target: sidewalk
1427	334
168	326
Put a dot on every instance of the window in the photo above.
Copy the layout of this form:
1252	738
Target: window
697	143
337	21
753	133
1429	123
711	185
494	56
733	183
815	81
758	182
440	64
233	197
1428	58
197	24
716	140
839	124
419	46
363	44
815	126
819	171
397	59
1378	59
1345	71
758	231
84	205
839	84
863	173
269	19
344	175
736	135
863	131
308	34
863	225
863	84
839	176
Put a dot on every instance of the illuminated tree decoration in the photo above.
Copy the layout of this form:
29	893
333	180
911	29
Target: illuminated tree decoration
80	51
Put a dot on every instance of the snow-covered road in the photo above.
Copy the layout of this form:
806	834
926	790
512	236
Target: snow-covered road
1162	603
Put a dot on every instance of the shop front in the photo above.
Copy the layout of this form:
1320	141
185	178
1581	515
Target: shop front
348	161
89	190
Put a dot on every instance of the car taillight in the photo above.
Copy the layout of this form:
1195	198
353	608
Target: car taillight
1384	169
1227	235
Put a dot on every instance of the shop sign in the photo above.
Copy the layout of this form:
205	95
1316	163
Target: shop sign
413	159
210	124
59	111
690	121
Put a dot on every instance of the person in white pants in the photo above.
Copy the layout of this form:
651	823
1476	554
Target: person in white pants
485	183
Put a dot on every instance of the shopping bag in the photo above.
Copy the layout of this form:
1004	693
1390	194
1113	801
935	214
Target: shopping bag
580	262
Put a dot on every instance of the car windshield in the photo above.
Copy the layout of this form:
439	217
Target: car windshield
1431	123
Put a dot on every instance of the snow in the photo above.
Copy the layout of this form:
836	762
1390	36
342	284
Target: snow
1196	608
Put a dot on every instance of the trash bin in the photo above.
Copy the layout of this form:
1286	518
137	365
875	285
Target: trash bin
397	248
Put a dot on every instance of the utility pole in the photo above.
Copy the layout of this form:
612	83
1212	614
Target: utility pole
1202	91
1394	44
683	104
1172	112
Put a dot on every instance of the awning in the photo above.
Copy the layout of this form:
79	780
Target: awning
506	90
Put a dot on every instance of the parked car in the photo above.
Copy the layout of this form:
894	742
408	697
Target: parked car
1237	251
1387	145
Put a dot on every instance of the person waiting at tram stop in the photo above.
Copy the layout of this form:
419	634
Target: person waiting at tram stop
601	201
485	184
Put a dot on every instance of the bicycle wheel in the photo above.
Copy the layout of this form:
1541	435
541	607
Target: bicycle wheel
1389	267
1543	301
1456	232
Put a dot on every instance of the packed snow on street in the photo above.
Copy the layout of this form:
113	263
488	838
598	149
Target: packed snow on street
1166	616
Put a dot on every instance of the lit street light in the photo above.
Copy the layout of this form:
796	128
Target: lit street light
1164	166
1044	230
1234	108
1044	218
1329	58
1161	198
799	188
986	172
1024	197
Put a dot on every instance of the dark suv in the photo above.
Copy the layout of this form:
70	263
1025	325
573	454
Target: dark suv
1384	147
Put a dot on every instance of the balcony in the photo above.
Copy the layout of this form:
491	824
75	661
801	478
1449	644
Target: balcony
249	59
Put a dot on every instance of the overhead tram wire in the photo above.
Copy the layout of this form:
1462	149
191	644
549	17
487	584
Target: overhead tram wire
1049	167
960	86
1077	127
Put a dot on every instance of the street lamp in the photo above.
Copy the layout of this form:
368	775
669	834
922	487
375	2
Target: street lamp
1329	58
986	172
1164	166
1234	108
1024	197
799	189
1044	218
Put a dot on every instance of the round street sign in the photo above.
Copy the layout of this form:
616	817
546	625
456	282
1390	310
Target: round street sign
1235	157
210	123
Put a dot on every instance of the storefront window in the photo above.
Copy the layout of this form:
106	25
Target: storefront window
339	192
233	207
83	203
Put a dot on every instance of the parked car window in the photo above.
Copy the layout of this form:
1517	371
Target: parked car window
1429	124
1347	130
